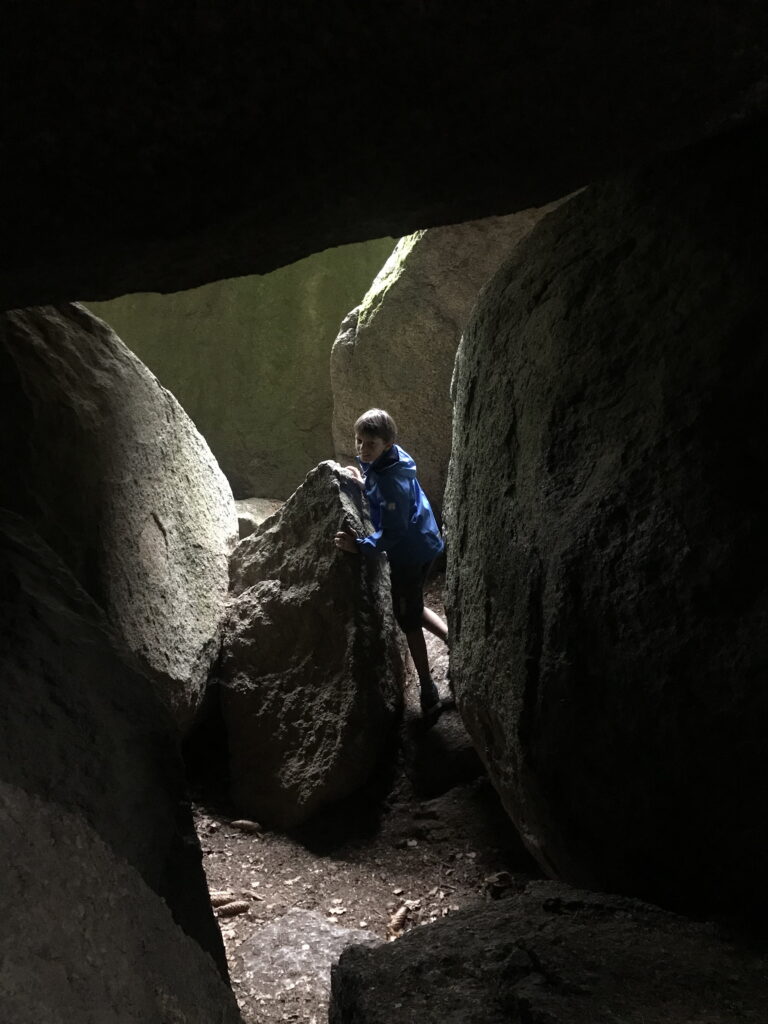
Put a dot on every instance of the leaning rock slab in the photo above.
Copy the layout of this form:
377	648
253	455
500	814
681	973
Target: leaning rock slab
113	474
311	667
396	350
553	955
607	589
83	938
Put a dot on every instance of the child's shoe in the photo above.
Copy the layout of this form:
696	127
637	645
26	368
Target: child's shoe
431	706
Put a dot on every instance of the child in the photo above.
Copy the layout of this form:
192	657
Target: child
406	530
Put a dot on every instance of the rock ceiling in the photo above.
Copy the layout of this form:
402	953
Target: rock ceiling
169	145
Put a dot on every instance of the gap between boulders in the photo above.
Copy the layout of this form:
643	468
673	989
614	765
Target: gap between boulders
423	839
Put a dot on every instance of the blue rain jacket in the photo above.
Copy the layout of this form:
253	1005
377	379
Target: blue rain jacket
402	517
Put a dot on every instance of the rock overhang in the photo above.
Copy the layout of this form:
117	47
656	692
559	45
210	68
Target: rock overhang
155	152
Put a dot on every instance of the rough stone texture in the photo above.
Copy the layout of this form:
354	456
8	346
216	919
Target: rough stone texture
311	667
553	955
251	512
83	938
293	953
148	151
258	509
248	360
112	473
606	589
81	728
396	350
473	809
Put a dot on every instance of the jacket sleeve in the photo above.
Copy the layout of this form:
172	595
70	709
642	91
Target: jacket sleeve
395	516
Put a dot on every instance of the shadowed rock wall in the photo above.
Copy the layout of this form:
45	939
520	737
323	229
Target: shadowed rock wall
154	148
84	939
607	589
248	360
82	730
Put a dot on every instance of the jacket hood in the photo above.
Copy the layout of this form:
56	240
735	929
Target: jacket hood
395	459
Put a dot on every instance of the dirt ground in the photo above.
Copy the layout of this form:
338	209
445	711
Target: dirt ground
382	863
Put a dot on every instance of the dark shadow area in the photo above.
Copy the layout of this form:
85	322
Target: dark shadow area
206	755
358	817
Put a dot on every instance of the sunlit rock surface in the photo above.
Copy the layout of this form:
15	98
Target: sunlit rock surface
553	955
248	360
112	472
150	151
83	937
396	350
311	668
607	592
292	954
251	512
84	731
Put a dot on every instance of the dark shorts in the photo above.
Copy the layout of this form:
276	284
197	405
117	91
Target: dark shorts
407	582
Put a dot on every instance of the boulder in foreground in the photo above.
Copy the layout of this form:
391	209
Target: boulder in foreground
606	582
83	730
553	955
311	667
84	938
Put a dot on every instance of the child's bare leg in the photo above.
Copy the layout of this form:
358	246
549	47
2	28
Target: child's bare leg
430	698
418	648
431	621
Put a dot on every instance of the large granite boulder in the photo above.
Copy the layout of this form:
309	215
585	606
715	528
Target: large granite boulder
84	731
146	151
291	956
553	955
311	667
607	591
396	349
83	938
113	474
248	360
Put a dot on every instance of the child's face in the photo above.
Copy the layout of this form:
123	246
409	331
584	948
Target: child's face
369	447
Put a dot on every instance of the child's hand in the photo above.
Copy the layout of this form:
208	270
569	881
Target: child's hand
346	540
354	473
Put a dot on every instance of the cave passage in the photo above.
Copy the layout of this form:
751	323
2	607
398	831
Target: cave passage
425	838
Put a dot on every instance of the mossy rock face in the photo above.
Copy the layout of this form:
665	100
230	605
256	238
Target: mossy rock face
248	360
396	350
